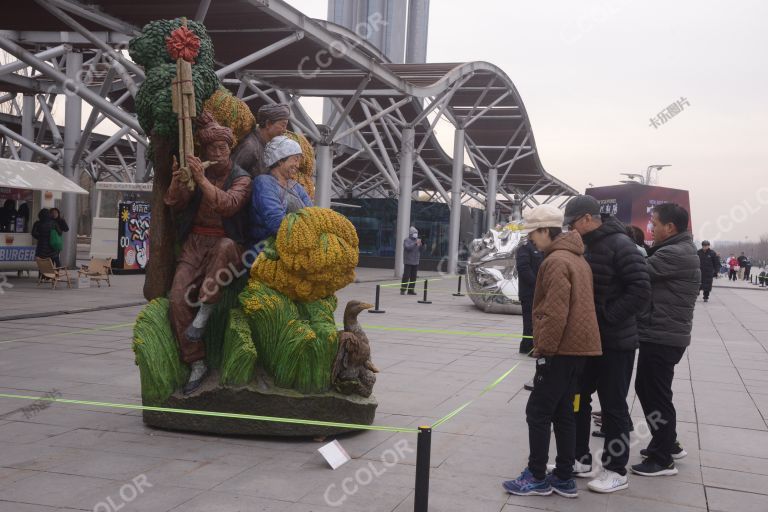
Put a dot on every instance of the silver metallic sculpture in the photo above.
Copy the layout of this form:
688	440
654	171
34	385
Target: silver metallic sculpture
492	273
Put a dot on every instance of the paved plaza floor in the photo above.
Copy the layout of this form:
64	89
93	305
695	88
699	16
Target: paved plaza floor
433	358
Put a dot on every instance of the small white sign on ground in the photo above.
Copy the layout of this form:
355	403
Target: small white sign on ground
334	454
83	282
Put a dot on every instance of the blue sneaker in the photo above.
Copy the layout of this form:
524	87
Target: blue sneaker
527	485
565	488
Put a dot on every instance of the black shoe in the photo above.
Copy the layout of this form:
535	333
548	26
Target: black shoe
651	468
199	371
526	346
528	386
412	293
678	452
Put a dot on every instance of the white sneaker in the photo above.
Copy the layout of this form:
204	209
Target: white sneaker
608	481
579	470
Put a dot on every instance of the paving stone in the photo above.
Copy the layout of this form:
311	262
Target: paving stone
723	500
735	480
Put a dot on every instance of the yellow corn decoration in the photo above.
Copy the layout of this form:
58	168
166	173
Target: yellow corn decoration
318	251
231	112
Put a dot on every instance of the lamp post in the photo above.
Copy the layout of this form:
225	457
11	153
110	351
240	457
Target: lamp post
657	167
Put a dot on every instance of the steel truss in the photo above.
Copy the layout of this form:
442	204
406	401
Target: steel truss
379	141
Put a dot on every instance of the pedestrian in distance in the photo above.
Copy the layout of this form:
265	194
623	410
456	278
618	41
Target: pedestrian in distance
42	231
709	263
411	256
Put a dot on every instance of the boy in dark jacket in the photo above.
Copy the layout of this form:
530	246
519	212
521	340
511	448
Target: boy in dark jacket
665	332
527	261
622	288
565	332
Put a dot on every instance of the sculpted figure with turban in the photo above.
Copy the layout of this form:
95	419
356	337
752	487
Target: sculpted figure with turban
212	222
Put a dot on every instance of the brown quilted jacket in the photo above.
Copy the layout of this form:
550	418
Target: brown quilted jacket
564	319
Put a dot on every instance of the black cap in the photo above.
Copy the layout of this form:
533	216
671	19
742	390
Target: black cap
705	242
580	206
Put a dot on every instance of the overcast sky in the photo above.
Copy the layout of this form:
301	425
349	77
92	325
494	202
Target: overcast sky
593	73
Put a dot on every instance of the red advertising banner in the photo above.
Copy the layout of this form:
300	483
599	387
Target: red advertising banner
632	203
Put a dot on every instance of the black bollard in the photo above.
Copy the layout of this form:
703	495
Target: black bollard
425	301
458	293
376	309
423	448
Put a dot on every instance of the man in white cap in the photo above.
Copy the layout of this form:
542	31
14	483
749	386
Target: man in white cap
276	193
411	257
565	334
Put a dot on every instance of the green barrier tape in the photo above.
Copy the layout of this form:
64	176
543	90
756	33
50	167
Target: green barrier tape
104	328
217	414
489	387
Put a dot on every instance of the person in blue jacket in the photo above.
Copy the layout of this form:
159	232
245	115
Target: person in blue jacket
276	193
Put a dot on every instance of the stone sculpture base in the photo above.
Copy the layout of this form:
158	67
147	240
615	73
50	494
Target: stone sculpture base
263	400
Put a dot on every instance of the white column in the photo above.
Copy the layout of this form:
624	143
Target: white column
323	180
455	219
27	126
490	198
72	119
404	201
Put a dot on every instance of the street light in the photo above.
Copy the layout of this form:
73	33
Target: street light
658	168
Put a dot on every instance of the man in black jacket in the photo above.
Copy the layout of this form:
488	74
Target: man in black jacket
527	261
709	263
622	288
665	332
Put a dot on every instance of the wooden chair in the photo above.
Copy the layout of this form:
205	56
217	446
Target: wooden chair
98	269
48	273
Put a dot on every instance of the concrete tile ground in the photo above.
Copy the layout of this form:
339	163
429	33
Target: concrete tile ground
433	358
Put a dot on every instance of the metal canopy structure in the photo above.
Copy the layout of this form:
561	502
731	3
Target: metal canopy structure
378	142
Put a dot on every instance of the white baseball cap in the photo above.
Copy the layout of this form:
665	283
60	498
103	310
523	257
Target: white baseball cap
543	216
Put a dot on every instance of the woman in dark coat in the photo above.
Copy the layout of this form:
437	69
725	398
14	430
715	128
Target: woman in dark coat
62	225
41	231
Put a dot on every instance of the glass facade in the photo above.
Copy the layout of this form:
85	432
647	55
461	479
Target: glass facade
376	223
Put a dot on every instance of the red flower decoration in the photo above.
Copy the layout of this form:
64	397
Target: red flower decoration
183	44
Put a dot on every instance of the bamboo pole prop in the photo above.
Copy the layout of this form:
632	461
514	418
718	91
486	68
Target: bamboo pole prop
183	101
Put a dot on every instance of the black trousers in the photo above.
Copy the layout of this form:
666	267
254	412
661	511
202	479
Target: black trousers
609	375
409	278
732	275
526	343
706	287
747	273
653	384
551	404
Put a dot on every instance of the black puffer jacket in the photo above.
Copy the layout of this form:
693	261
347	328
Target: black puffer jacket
709	263
675	280
527	260
622	285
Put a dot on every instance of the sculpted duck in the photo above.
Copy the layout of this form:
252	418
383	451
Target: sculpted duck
353	372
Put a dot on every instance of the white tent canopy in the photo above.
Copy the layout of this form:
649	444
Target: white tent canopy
35	176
